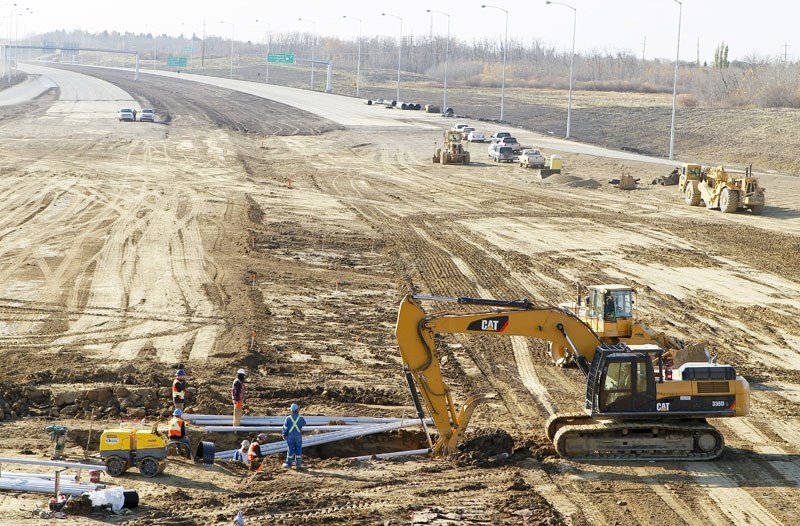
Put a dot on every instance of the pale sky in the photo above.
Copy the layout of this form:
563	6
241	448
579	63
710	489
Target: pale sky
765	28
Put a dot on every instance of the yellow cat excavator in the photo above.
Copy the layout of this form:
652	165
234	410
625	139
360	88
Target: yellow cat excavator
633	409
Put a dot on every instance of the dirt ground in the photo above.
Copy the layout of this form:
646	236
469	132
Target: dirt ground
242	233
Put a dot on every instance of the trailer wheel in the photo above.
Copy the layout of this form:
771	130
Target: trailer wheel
116	466
691	195
148	466
728	201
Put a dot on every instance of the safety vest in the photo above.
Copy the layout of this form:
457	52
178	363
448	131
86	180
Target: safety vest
178	389
290	425
251	451
176	428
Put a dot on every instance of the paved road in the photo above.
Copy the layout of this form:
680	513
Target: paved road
347	111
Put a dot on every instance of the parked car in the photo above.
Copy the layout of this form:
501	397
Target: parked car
496	136
476	136
500	153
126	114
459	127
147	115
532	157
510	141
466	131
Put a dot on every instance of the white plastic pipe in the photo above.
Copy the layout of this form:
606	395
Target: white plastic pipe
395	454
46	486
272	429
333	436
43	476
278	420
53	463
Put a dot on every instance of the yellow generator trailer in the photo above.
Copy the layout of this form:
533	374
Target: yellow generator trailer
121	449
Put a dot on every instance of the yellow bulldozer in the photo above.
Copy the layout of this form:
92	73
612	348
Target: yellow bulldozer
452	151
719	189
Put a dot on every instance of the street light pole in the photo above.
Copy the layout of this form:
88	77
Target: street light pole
505	48
571	62
269	45
675	84
232	28
446	56
399	52
358	67
313	46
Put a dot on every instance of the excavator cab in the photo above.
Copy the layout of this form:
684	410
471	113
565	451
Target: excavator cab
621	380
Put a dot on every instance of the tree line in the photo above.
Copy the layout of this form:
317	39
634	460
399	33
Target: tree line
755	82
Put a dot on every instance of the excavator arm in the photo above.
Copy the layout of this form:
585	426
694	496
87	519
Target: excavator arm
415	331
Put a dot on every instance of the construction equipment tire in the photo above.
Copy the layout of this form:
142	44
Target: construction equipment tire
466	158
116	466
148	466
728	201
692	195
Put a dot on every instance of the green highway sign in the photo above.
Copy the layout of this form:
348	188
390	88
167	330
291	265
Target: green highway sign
176	62
283	58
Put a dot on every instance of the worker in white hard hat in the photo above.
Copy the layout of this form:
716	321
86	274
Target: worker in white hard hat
240	455
179	389
293	435
237	395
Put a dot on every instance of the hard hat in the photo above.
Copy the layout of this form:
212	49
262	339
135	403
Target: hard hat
177	412
245	443
295	408
261	437
180	372
241	371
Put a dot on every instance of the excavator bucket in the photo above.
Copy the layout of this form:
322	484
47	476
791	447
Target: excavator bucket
445	445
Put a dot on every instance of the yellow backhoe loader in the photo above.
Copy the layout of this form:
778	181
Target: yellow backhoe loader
632	410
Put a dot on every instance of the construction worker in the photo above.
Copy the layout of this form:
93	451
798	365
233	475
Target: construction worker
179	389
177	430
240	455
293	435
254	455
237	395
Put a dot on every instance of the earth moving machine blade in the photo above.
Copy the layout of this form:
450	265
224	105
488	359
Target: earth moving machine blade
633	408
720	189
452	151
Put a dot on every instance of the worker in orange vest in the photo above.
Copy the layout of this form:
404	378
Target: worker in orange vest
177	430
179	389
254	455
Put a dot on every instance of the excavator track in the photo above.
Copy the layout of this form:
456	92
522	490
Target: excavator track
587	438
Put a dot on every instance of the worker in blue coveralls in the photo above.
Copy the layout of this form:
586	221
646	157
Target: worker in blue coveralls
293	435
